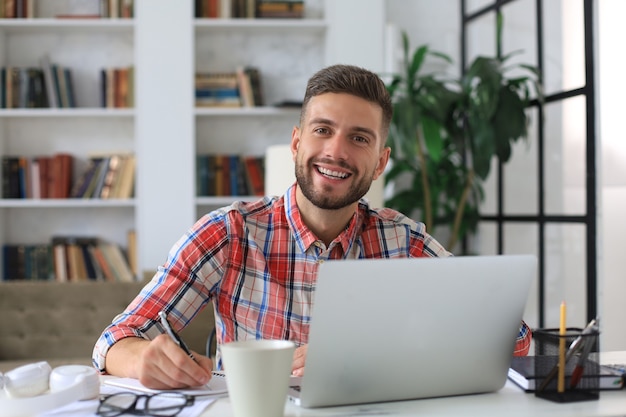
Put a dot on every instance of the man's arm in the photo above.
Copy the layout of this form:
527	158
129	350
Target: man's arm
157	364
524	337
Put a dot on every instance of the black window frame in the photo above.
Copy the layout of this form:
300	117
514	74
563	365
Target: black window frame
541	219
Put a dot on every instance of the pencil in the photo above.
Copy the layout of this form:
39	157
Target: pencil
562	332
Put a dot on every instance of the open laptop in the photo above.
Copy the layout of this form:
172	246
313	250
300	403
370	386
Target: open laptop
399	329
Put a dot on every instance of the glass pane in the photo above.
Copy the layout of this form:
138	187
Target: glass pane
481	37
519	32
520	173
564	45
523	238
486	241
565	279
565	157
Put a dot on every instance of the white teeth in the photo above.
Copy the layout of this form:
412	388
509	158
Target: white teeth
332	173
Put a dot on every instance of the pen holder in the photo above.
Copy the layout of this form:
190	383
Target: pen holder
581	380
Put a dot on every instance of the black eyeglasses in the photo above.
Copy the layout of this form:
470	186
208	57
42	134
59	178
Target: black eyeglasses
162	404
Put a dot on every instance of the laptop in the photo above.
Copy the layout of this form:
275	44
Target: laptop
400	329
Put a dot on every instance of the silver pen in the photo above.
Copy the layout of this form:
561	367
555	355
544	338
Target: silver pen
173	335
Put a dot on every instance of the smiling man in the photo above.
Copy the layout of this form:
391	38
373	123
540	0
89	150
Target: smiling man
257	262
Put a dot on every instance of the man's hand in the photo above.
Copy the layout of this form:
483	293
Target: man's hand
158	364
299	357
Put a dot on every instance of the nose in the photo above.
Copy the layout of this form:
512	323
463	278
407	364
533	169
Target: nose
336	147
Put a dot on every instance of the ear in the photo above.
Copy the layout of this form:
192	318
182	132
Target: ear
383	158
295	142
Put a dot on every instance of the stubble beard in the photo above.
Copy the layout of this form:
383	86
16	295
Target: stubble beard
322	198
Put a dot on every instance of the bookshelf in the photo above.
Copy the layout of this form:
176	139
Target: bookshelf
165	130
85	46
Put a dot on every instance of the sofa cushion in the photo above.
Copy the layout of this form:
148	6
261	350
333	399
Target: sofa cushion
60	322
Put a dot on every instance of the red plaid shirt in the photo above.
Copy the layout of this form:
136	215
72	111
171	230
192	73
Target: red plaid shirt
258	263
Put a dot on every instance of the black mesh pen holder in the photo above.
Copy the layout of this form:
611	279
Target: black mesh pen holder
581	381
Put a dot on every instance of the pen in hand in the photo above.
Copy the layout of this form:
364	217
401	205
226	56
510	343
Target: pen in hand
173	335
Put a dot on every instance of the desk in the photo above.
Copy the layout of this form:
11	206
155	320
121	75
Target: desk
509	401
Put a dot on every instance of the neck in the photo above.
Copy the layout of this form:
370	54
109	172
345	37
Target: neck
325	224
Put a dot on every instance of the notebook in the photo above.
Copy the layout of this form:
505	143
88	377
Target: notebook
522	373
387	330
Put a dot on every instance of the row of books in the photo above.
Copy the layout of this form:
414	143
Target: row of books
68	259
124	9
241	88
34	87
226	9
17	9
20	9
52	86
229	175
105	177
37	177
117	86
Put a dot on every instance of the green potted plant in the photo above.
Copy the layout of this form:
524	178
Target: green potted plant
445	132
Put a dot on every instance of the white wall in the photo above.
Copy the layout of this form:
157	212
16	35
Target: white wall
611	32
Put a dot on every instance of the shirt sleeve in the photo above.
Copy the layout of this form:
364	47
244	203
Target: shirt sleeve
524	337
181	287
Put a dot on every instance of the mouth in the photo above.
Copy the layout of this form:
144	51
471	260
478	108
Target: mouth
333	174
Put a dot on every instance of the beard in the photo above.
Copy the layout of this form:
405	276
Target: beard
322	198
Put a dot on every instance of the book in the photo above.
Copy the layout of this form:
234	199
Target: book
126	185
522	373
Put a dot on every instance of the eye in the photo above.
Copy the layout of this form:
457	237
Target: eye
361	140
321	131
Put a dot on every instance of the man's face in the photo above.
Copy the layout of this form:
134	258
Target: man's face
338	149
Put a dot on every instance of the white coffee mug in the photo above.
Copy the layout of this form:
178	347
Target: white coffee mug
257	376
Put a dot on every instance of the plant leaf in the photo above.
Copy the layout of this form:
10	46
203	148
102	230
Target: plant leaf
431	130
483	148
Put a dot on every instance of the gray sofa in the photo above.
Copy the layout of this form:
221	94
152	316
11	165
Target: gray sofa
60	322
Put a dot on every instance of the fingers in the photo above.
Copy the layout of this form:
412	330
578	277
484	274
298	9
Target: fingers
299	357
164	365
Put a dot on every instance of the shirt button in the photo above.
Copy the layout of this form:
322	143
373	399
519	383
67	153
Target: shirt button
320	261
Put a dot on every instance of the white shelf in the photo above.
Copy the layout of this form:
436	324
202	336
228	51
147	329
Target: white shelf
255	25
19	26
66	203
247	111
66	112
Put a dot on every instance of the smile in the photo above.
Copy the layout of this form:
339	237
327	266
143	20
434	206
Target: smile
332	174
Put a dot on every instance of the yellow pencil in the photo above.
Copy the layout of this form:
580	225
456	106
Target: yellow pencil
562	332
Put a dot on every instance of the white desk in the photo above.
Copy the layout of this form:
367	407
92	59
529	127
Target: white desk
509	401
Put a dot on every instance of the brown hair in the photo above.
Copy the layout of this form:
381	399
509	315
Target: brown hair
352	80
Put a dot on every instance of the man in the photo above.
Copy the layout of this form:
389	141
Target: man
257	262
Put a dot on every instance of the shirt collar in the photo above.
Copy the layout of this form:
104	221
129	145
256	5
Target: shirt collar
305	237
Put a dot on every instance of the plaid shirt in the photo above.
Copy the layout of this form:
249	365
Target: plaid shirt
258	263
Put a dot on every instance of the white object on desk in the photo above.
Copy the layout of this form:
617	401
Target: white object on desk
450	331
215	387
70	385
258	374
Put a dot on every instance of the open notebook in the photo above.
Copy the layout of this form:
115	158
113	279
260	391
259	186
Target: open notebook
385	330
